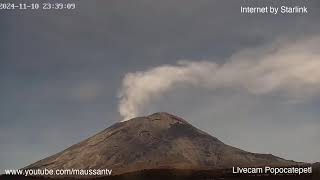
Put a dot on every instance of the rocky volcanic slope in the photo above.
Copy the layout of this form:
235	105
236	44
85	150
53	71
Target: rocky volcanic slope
158	141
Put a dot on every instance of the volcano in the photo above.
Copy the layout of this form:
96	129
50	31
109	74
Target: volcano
158	141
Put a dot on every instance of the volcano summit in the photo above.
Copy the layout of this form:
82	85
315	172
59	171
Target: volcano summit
158	141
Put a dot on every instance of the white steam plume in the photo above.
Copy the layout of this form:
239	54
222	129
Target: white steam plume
291	69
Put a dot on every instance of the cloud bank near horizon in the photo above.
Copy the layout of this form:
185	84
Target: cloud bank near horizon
290	69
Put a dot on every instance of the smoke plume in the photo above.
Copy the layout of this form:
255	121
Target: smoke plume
290	68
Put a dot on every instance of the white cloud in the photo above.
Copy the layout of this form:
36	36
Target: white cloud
289	68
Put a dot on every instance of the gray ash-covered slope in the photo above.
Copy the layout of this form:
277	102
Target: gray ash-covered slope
158	141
